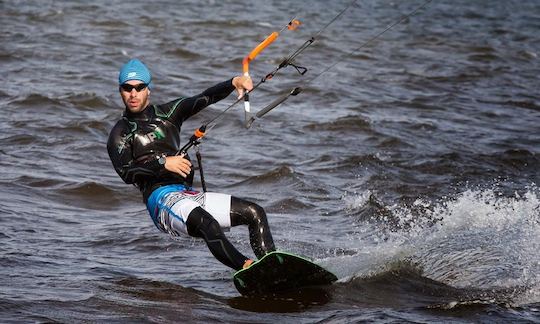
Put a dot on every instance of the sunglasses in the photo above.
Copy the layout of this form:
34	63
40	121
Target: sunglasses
138	87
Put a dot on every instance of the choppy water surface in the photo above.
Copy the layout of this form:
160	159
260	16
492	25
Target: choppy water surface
410	169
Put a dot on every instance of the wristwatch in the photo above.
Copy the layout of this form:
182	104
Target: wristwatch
162	159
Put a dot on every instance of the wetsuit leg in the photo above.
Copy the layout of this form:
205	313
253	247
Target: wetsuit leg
244	212
201	224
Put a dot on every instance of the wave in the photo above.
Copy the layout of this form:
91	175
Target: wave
347	123
450	167
327	162
278	175
184	53
58	192
35	99
289	205
482	54
523	104
86	194
86	100
479	241
124	299
402	284
518	158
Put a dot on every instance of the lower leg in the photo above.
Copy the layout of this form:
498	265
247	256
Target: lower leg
201	224
247	213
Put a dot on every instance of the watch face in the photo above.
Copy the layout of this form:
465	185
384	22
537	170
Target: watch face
162	160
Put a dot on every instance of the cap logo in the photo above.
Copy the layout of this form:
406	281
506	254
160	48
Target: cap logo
132	74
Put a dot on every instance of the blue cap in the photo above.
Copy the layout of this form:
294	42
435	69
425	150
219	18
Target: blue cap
134	70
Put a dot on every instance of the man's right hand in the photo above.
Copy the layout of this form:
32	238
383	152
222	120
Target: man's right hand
178	164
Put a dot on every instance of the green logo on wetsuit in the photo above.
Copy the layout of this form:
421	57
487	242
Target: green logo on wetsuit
157	134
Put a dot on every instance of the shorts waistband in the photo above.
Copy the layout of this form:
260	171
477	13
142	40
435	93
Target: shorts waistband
158	194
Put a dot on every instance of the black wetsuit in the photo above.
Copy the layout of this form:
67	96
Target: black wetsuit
138	140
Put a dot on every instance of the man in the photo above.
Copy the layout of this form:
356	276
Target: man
143	146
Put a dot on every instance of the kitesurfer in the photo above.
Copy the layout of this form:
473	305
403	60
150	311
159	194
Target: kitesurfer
143	145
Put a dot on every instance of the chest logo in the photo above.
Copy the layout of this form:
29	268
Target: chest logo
157	134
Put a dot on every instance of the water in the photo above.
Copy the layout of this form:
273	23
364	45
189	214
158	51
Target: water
410	169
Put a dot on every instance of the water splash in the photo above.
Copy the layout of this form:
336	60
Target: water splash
477	240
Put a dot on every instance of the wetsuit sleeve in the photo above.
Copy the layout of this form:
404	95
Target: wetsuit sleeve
183	108
120	153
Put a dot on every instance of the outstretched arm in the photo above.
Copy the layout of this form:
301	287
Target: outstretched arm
183	108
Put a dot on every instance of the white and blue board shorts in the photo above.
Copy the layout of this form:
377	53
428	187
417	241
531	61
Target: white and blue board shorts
169	206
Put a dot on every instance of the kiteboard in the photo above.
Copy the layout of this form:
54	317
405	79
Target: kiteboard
280	271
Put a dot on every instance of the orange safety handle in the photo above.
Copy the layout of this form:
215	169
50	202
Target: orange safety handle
292	25
269	40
